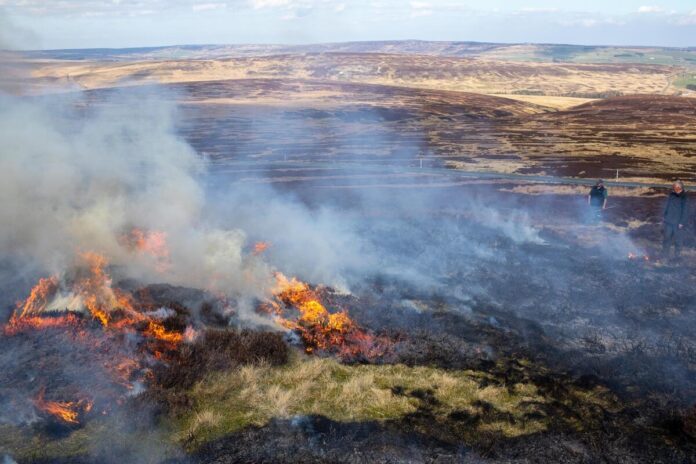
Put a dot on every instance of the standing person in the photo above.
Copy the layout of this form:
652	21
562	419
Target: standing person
674	218
597	199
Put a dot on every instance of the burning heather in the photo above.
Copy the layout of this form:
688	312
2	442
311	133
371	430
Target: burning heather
69	412
130	336
319	329
100	320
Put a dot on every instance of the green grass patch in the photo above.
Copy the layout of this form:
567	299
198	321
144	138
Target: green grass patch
604	55
686	81
470	407
253	395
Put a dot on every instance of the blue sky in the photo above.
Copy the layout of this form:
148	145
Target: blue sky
128	23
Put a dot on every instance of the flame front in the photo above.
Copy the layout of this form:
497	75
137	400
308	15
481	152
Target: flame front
320	329
157	331
39	297
59	304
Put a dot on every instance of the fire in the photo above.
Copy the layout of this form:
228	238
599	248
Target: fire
19	324
320	329
151	243
95	288
260	247
58	304
121	331
157	331
68	411
39	297
306	301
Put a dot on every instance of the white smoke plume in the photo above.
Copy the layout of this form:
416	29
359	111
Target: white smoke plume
74	184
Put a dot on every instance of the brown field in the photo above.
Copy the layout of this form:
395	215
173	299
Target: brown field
413	71
476	111
647	138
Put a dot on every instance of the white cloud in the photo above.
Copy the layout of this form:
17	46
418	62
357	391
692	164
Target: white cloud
421	5
651	9
687	20
340	7
588	21
420	9
140	12
259	4
421	13
208	6
539	10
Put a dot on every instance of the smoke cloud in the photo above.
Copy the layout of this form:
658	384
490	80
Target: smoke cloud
81	184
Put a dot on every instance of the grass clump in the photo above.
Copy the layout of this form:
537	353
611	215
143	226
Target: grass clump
253	395
686	81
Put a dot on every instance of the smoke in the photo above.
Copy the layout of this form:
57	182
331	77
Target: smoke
13	71
81	182
12	37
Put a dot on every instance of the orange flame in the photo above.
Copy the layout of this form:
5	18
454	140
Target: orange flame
90	286
68	411
152	243
320	329
95	288
312	312
260	247
157	331
19	324
39	297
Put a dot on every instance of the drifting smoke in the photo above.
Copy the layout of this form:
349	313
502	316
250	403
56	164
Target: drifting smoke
13	37
82	184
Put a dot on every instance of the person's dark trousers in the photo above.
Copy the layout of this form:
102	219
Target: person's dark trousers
672	236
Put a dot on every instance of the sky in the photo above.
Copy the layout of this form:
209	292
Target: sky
52	24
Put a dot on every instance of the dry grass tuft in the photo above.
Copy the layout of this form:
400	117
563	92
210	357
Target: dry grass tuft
254	395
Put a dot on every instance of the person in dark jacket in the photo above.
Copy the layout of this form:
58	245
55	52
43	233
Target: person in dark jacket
597	199
674	219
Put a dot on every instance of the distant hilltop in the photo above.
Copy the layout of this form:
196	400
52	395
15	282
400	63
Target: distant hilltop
498	51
